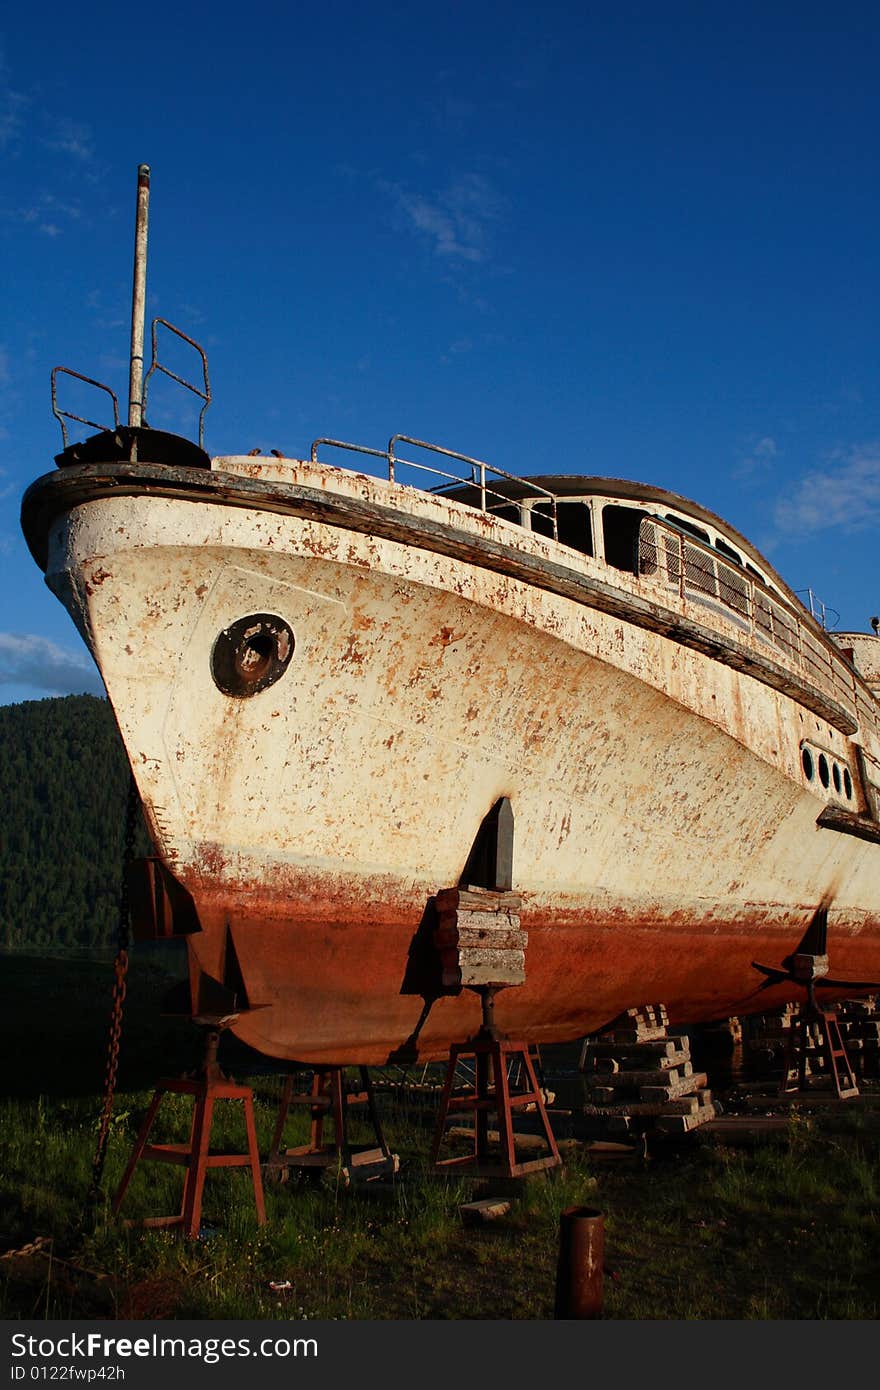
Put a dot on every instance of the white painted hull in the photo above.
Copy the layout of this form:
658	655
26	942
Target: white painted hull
665	837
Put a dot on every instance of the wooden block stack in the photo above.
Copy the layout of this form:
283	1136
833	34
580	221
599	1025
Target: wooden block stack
859	1021
727	1032
480	939
766	1039
639	1077
768	1036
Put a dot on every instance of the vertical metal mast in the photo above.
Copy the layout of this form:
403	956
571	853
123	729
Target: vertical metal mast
138	305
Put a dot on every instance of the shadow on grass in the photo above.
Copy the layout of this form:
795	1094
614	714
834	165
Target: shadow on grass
54	1021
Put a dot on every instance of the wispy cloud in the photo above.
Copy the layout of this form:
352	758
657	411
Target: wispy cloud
51	150
71	137
456	220
13	105
26	659
46	213
843	495
760	458
457	348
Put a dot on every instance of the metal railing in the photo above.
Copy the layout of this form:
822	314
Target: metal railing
675	560
476	480
695	571
204	394
825	616
62	415
156	366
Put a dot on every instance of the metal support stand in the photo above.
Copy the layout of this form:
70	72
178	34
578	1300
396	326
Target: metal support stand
331	1098
830	1047
498	1064
206	1089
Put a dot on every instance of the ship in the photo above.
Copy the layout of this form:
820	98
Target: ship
344	691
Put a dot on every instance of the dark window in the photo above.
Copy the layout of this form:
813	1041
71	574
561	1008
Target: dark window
506	513
620	532
542	520
728	550
573	524
691	529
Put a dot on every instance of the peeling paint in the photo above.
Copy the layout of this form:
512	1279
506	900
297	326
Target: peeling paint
665	834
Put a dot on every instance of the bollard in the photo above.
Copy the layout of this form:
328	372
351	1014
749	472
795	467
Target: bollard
580	1270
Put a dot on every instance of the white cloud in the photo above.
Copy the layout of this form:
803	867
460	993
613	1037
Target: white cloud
26	659
45	211
455	220
760	457
844	495
71	137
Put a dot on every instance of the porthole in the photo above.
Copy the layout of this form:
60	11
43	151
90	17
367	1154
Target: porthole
824	776
251	654
807	764
835	777
847	784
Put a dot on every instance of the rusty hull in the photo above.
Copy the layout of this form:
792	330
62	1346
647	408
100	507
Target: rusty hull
665	836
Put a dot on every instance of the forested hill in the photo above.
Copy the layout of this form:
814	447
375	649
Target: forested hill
64	781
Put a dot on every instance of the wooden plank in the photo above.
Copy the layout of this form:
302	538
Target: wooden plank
657	1076
686	1086
487	1209
608	1046
476	899
469	937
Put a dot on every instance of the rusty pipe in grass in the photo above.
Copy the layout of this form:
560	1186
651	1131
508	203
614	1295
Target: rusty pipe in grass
580	1268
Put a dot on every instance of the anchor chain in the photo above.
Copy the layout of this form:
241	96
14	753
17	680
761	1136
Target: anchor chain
120	971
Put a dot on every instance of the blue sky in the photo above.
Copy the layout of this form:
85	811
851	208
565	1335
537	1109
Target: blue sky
634	239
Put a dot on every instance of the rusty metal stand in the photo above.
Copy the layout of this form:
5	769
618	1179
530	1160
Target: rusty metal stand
830	1048
331	1098
206	1089
493	1090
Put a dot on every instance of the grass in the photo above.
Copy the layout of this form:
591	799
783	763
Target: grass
785	1230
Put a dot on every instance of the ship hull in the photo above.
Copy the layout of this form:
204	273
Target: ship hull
664	838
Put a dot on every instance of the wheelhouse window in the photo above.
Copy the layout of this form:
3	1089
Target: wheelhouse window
573	524
689	527
728	551
620	535
541	519
506	513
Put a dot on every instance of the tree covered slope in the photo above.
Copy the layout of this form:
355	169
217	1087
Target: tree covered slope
63	782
